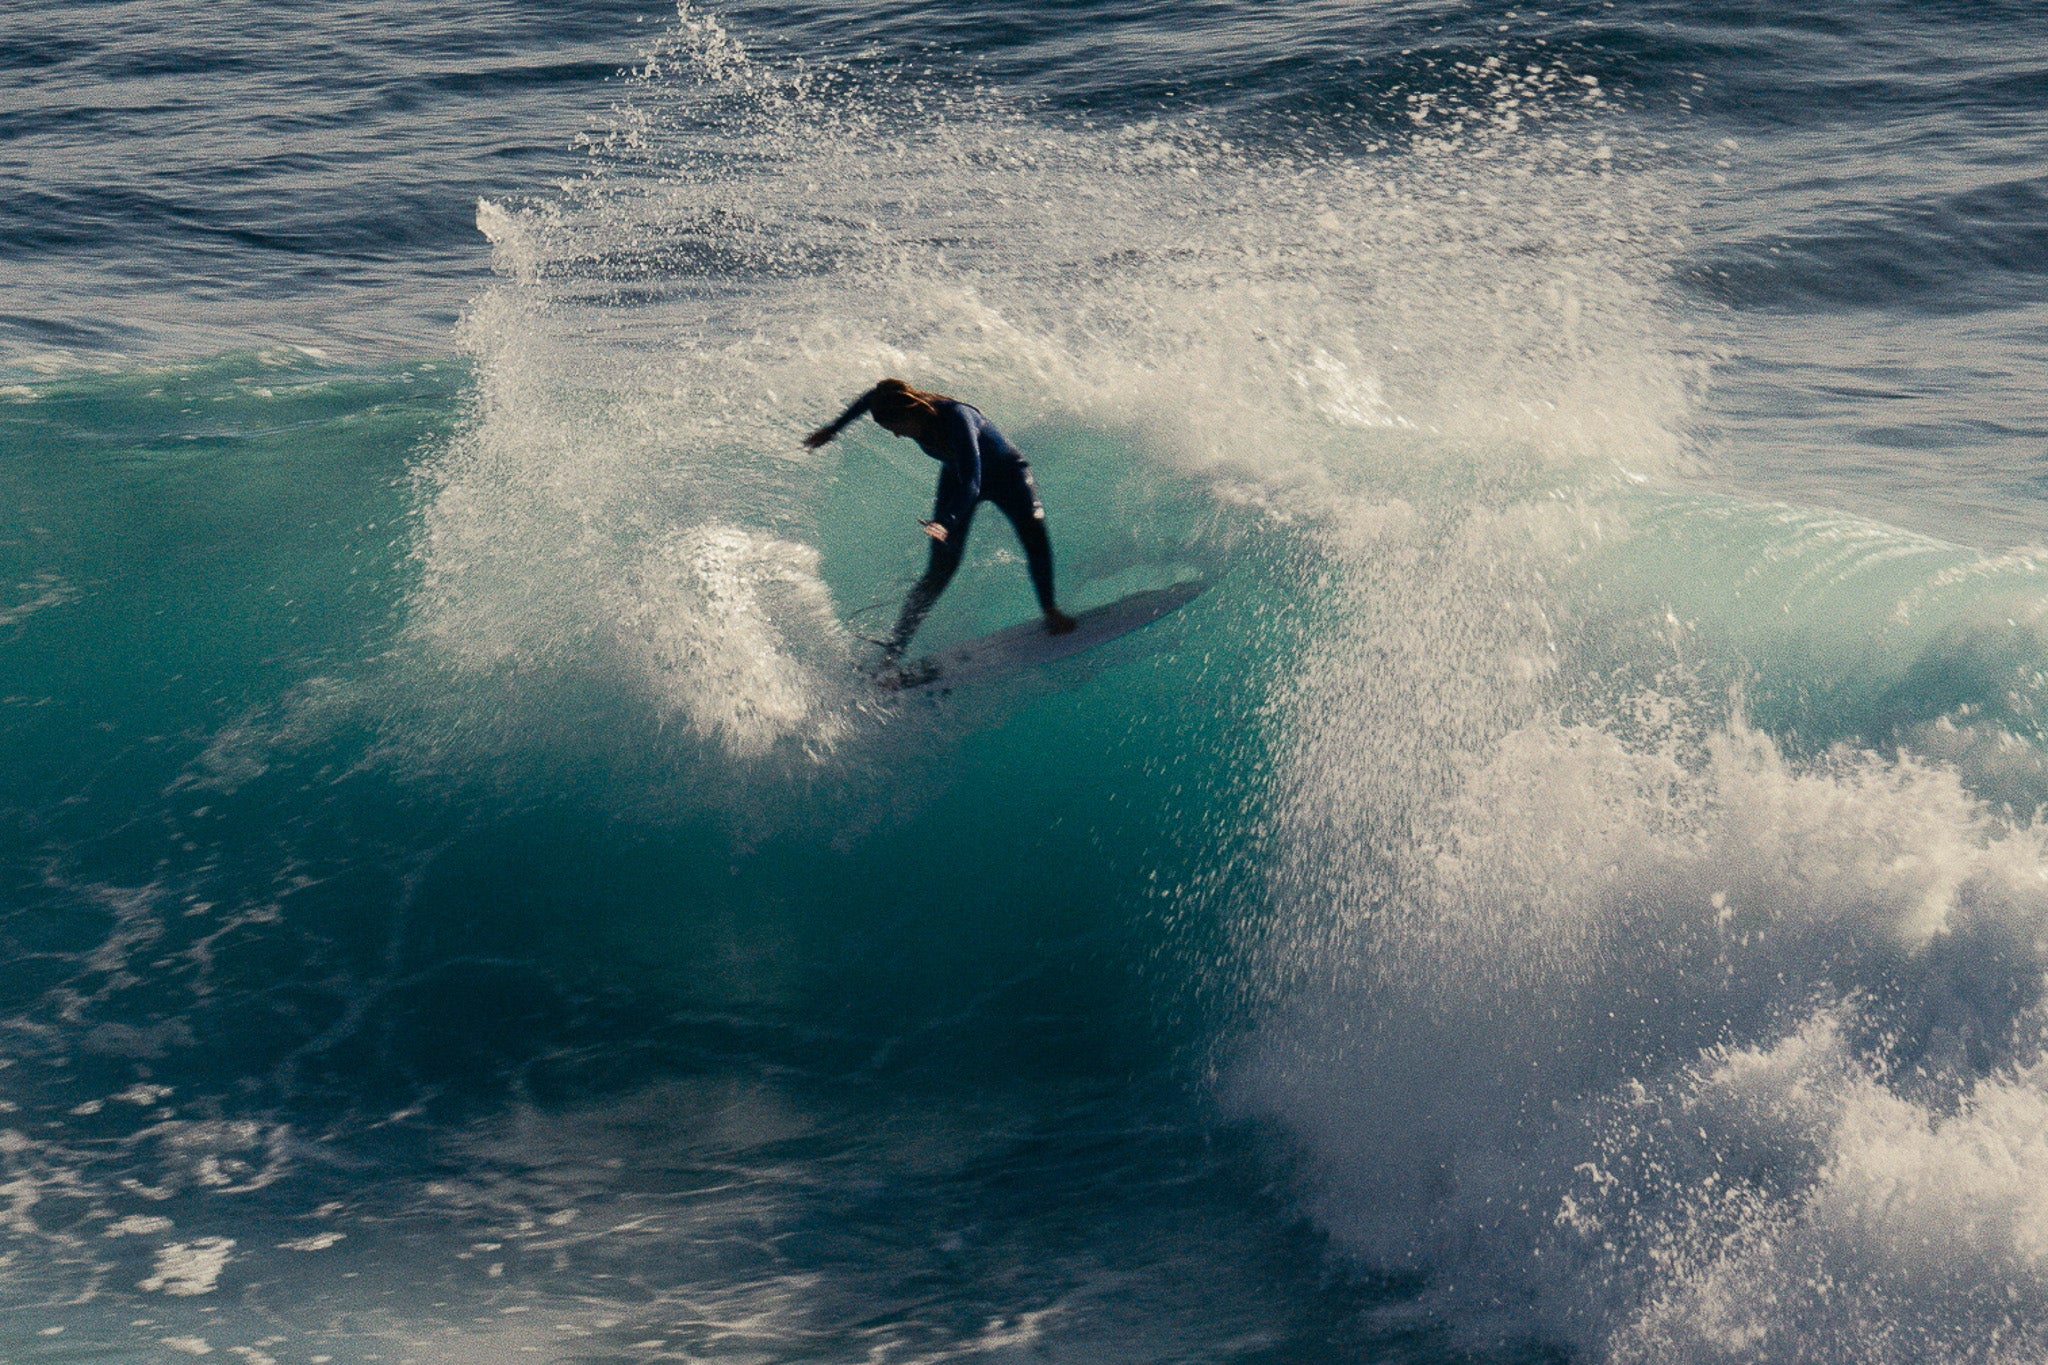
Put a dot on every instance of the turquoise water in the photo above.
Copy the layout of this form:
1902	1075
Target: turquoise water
1573	886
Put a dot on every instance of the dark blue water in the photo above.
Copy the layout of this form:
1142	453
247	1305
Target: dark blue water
1573	888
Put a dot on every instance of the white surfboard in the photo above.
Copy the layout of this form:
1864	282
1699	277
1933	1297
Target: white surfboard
1028	645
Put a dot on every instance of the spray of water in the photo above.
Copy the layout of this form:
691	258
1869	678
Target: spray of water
1588	1000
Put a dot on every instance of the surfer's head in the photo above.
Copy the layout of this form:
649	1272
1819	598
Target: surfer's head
902	409
893	403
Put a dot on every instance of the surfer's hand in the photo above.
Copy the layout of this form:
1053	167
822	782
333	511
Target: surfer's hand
934	530
818	438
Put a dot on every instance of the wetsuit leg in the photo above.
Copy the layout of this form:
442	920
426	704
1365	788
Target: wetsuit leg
1018	497
938	572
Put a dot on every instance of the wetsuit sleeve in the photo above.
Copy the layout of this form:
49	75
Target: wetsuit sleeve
854	411
958	494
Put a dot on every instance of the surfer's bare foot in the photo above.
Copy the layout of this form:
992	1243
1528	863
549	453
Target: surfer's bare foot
1058	622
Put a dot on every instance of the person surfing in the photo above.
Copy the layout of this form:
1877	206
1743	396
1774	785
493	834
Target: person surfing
978	464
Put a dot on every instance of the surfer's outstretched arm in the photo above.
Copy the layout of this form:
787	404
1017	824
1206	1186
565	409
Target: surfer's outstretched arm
854	412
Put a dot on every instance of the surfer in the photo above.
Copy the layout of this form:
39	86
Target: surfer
978	465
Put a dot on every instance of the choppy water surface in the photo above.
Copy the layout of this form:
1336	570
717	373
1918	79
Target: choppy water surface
1573	888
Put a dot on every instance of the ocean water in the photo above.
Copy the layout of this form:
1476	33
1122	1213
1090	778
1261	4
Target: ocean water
1575	888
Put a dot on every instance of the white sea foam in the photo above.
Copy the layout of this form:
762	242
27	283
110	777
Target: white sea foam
37	594
1673	1046
713	611
188	1269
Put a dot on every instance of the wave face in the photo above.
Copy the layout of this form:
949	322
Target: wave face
1548	897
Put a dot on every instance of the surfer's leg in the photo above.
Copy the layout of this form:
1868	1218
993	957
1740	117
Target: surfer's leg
1038	553
1022	506
938	572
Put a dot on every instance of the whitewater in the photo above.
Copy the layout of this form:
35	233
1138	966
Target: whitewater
1574	887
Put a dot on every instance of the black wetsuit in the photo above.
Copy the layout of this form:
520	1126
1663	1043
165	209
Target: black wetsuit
980	465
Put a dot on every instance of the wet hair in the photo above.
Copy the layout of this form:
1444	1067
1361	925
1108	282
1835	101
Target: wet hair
892	400
889	402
